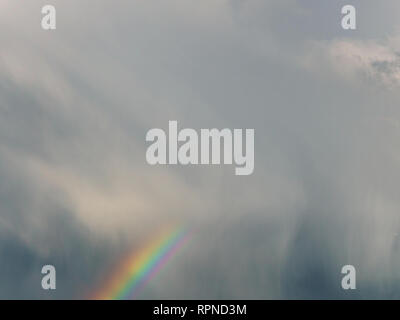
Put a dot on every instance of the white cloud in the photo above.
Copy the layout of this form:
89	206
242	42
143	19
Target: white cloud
355	60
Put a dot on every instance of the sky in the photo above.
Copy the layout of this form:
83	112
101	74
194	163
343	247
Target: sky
76	103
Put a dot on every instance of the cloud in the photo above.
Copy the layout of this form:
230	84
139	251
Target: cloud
374	61
76	104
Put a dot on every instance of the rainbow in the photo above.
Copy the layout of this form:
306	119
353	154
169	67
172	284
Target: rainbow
139	267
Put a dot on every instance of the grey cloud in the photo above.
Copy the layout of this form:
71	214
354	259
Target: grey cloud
76	104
